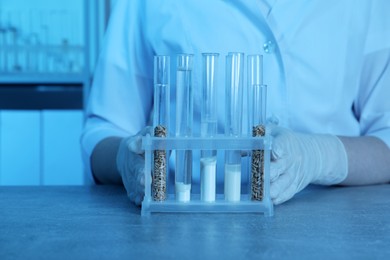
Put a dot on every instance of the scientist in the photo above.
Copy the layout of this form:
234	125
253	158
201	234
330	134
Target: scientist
327	65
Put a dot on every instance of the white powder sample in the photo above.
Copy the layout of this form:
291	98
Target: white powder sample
183	191
232	182
208	169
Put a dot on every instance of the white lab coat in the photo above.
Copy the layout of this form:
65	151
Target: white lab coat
326	62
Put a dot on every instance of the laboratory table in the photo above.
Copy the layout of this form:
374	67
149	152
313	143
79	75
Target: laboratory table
99	222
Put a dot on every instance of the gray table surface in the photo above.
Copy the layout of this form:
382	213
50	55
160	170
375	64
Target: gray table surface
98	222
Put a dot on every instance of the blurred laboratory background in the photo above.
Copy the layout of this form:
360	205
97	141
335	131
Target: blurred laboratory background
48	50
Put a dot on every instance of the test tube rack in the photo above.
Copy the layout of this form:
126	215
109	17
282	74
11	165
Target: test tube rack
195	205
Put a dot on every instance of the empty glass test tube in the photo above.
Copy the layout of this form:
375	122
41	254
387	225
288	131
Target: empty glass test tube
233	123
184	118
258	98
209	115
160	125
254	78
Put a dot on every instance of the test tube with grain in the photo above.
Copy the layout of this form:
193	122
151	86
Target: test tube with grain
257	96
233	124
209	115
184	118
160	124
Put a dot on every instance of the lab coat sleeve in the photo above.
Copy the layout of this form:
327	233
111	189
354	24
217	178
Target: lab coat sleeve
120	99
373	106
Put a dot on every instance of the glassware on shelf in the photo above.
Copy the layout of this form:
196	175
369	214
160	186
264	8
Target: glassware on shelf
40	41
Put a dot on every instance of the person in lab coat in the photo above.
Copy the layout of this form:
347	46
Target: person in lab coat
327	65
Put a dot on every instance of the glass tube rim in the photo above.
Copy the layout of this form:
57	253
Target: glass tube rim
236	53
185	54
214	54
162	56
254	55
185	61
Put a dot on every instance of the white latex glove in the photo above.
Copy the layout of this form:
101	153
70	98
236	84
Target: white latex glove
130	163
300	159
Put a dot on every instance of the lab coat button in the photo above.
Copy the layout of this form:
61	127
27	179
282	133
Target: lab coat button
269	47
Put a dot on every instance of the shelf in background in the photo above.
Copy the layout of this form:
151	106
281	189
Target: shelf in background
42	78
37	97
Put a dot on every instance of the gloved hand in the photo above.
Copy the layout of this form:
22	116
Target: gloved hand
130	163
300	159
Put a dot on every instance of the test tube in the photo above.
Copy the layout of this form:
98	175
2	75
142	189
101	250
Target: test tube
13	40
3	32
160	124
44	34
184	117
208	160
233	123
2	42
257	107
255	77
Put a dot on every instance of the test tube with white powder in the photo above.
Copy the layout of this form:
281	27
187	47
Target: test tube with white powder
208	160
184	113
160	124
233	124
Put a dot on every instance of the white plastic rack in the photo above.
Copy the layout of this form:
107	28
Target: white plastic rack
195	205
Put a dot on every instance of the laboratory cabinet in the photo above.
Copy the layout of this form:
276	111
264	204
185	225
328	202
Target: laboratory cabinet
40	147
46	60
61	162
45	72
20	141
